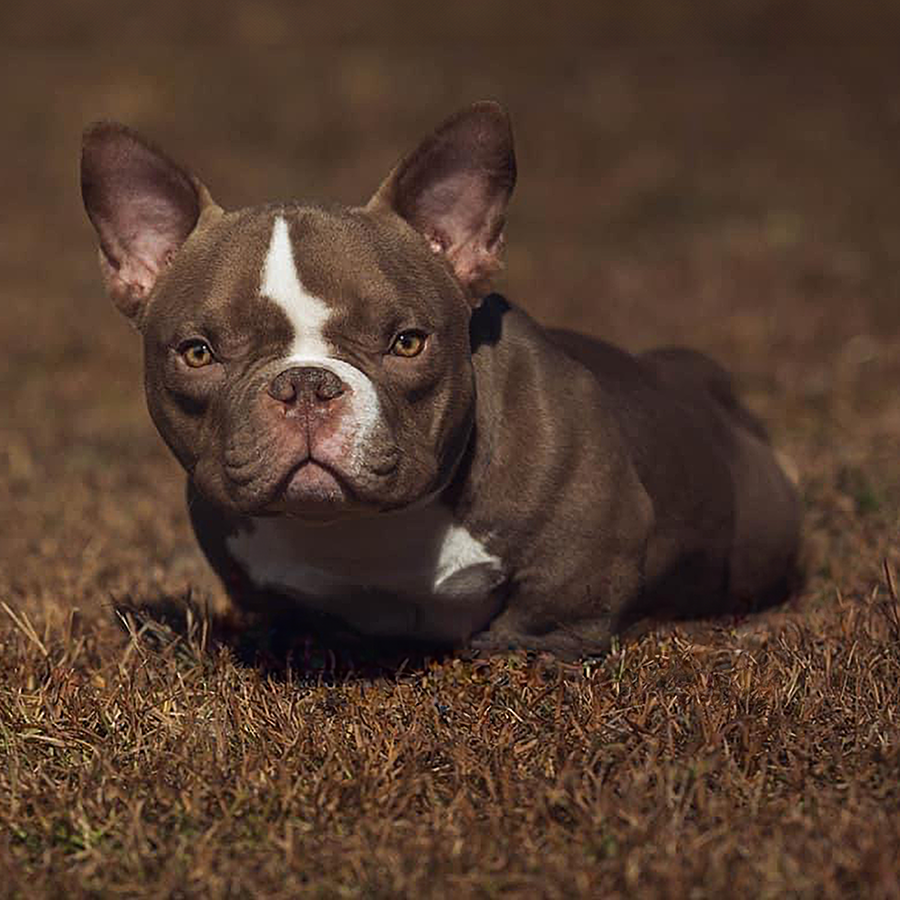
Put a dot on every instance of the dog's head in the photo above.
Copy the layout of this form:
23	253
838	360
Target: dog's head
305	360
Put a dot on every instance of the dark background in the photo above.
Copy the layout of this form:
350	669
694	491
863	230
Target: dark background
723	175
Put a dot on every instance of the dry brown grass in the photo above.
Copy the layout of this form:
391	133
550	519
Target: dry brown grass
749	762
730	181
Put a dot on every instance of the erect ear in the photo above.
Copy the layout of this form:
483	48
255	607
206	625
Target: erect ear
454	189
143	207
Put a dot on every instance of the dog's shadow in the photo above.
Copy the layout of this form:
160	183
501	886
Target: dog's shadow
280	641
278	645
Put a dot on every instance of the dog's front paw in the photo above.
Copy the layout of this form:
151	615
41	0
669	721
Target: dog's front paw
488	643
565	645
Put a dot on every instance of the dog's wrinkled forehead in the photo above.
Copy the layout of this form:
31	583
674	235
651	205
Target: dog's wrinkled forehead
305	277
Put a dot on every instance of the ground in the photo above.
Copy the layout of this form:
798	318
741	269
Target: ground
725	176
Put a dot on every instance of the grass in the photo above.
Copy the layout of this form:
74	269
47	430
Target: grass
149	758
723	177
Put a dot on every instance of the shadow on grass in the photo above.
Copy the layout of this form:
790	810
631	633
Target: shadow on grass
317	650
280	645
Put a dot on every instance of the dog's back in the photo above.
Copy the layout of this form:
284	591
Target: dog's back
706	461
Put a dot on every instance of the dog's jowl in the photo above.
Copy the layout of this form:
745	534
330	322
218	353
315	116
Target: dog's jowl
374	439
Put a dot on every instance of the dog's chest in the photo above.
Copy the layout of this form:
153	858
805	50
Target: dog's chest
408	574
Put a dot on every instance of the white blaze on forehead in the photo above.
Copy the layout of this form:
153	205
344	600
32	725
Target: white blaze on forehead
280	282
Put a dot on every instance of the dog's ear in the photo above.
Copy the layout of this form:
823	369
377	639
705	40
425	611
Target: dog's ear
143	207
454	189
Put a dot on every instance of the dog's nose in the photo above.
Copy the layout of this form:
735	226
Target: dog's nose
308	383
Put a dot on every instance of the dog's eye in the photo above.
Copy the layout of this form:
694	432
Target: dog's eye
196	353
408	344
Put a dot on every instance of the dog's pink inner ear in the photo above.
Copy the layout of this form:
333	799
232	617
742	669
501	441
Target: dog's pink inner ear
142	205
454	189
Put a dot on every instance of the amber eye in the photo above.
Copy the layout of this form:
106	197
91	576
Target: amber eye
408	344
196	354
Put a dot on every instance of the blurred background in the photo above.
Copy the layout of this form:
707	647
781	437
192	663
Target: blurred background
719	174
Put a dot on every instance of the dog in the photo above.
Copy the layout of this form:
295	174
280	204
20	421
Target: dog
375	440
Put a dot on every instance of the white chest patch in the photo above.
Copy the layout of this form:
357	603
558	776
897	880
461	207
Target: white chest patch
408	574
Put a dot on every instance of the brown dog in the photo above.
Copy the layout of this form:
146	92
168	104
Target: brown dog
371	437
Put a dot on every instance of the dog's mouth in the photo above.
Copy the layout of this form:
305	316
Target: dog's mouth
314	490
315	482
310	485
